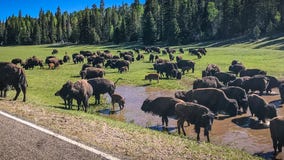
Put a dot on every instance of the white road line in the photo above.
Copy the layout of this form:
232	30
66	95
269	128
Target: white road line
105	155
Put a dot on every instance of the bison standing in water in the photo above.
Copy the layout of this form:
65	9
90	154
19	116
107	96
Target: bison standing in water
101	86
13	75
277	133
161	106
195	114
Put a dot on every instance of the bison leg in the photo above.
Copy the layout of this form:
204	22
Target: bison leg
280	146
78	103
206	133
97	99
85	104
197	130
24	90
165	119
18	90
275	145
180	123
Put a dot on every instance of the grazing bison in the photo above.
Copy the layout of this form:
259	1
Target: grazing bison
251	72
64	94
273	83
13	75
116	98
161	106
195	114
238	81
54	51
55	61
256	83
152	76
210	70
202	51
17	61
66	58
214	99
260	108
32	62
195	52
101	86
281	91
188	64
277	133
169	68
80	90
92	72
225	77
239	94
236	68
117	63
207	82
122	69
151	58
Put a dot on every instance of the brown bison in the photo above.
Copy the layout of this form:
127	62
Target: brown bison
251	72
152	76
13	75
210	70
101	86
161	106
281	91
195	114
116	98
277	133
92	72
260	108
214	99
80	90
207	82
256	83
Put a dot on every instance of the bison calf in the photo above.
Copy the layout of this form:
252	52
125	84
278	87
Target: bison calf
116	98
152	76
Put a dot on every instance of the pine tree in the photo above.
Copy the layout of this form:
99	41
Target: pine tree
149	29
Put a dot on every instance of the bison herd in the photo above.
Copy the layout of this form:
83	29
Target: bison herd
231	92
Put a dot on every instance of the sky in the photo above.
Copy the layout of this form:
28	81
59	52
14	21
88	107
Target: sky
32	7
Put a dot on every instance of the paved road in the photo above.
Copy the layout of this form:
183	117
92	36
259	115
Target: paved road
18	141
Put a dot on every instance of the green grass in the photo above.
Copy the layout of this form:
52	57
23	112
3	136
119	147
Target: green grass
265	54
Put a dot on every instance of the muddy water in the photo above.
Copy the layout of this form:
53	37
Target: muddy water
242	131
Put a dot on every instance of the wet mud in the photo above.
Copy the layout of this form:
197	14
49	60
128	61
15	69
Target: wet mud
243	131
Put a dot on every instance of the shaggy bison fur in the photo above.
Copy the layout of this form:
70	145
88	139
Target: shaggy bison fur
207	82
101	86
214	99
13	75
161	106
80	90
277	133
195	114
238	94
259	107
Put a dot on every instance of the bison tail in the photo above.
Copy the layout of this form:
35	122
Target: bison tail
117	81
22	78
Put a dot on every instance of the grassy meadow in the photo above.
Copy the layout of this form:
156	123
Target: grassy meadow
265	54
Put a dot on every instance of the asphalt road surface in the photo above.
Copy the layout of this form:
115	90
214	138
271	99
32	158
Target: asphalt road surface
19	141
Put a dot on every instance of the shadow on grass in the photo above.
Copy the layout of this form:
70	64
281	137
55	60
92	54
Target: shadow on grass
163	128
277	103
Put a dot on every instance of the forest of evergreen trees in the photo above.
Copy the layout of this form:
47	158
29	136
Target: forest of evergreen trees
168	21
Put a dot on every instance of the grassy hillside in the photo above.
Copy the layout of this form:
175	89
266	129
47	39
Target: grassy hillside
265	54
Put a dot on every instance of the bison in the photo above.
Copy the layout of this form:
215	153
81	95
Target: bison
238	94
92	72
195	114
214	99
260	108
281	91
256	83
80	90
101	86
251	72
152	76
116	98
13	75
207	82
161	106
277	133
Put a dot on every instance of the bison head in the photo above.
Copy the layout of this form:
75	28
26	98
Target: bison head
64	91
145	106
232	108
271	111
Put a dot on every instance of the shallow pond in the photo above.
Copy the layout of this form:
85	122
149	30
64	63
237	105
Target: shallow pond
242	131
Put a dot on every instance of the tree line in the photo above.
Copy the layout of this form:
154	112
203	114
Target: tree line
168	21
